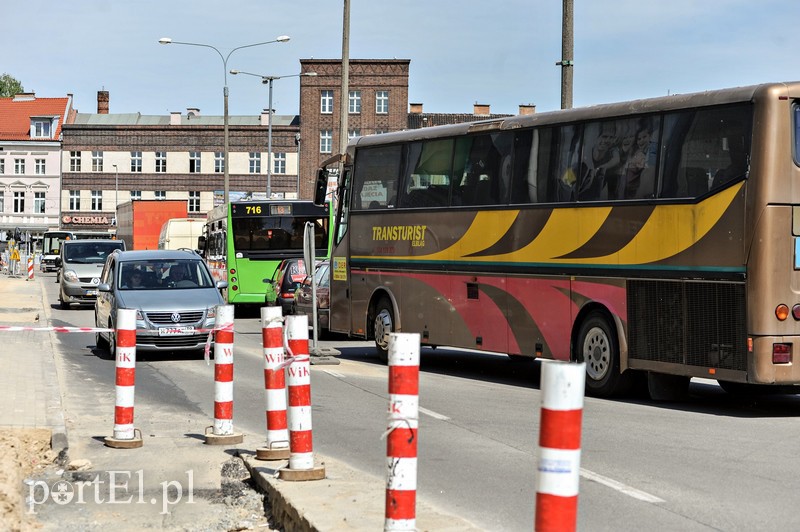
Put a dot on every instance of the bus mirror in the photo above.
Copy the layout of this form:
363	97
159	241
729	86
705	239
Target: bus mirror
201	242
321	187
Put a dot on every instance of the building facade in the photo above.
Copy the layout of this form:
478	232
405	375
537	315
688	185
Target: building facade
30	163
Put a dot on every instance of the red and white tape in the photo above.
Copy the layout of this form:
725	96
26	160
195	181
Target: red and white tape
14	328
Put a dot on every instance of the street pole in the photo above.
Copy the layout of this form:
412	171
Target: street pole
226	141
269	143
116	194
566	55
345	99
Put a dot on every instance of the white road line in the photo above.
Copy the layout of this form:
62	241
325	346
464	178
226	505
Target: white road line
619	486
433	414
334	374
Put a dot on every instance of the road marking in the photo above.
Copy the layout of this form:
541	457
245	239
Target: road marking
334	374
433	414
619	486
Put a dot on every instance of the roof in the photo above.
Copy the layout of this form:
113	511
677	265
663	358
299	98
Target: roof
138	119
16	113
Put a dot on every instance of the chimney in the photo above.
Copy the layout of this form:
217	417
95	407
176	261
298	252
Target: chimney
527	109
265	114
175	118
102	102
192	111
24	97
416	108
481	109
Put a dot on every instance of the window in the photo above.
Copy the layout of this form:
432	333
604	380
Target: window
19	202
382	102
136	194
41	129
482	169
97	200
380	131
38	202
2	201
353	133
255	162
136	162
376	177
74	200
194	162
194	201
2	166
19	166
428	174
161	194
219	162
74	161
354	106
326	141
326	102
97	161
279	163
161	162
39	166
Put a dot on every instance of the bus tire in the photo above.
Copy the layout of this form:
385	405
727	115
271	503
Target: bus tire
382	326
597	347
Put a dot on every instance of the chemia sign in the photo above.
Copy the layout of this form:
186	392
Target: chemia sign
85	220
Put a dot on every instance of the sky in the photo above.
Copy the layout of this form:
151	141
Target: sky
500	52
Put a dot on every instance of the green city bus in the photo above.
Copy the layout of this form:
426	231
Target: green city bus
245	243
656	238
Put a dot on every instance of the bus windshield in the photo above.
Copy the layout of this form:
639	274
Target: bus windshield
276	233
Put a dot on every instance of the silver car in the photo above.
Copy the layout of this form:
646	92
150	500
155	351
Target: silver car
173	293
80	263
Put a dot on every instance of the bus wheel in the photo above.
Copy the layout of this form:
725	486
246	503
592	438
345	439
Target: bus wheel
383	325
597	347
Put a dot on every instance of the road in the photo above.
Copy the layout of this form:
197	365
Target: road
713	462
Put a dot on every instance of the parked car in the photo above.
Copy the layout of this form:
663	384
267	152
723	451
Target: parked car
173	293
303	296
287	277
80	264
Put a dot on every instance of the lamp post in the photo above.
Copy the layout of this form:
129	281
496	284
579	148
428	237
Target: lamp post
167	40
268	80
116	194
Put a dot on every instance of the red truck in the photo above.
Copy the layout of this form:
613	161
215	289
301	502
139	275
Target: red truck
139	221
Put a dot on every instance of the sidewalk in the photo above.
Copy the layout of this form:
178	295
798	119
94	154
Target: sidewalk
347	499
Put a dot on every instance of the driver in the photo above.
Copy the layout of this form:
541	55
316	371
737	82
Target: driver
178	277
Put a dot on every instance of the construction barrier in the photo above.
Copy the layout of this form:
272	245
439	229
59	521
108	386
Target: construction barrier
222	430
301	452
30	268
125	435
401	441
562	387
277	446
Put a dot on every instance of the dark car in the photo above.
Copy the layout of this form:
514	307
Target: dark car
303	296
287	277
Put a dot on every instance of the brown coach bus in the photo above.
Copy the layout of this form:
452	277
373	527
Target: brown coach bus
655	237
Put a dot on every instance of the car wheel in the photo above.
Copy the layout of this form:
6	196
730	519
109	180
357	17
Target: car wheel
383	325
597	347
100	342
61	303
112	341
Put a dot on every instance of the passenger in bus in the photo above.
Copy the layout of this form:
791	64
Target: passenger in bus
739	164
600	160
637	164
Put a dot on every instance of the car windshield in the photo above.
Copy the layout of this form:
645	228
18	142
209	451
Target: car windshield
89	252
164	275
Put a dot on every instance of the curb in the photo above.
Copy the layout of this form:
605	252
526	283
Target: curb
59	440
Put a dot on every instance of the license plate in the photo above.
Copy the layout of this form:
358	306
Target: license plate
175	331
91	292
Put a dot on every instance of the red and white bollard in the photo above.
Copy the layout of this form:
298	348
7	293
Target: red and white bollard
277	447
125	435
298	380
30	268
401	443
562	387
222	430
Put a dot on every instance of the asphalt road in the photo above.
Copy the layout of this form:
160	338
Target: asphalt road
713	462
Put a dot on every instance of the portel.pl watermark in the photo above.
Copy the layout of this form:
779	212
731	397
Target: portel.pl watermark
122	487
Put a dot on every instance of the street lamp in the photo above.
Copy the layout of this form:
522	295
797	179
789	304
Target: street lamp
268	80
167	40
116	194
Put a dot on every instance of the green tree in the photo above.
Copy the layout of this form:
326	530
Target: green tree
9	86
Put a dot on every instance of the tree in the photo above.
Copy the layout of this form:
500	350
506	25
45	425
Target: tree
9	86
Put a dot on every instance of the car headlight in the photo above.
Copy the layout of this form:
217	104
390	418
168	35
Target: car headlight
211	312
139	315
70	275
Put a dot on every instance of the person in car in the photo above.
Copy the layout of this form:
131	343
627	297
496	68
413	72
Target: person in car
135	280
178	278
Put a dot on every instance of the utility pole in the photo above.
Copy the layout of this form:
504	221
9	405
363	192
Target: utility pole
345	97
566	62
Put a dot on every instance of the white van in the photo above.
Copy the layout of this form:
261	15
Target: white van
177	233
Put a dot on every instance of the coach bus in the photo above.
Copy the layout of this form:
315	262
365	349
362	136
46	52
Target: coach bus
244	244
657	238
